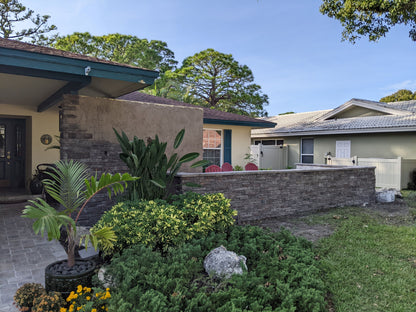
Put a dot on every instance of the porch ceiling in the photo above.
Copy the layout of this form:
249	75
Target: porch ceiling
39	76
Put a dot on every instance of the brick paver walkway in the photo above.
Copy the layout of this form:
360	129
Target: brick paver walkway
23	255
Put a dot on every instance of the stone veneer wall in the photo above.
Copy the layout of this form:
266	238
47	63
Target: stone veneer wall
258	195
86	125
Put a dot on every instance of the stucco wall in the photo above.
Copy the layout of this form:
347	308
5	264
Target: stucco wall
240	142
37	124
387	145
259	195
87	123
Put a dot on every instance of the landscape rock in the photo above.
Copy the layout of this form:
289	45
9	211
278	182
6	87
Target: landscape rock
223	263
385	195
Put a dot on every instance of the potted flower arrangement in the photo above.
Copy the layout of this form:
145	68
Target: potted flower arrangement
70	187
23	299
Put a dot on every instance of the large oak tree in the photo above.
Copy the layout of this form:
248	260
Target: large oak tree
371	18
126	49
216	80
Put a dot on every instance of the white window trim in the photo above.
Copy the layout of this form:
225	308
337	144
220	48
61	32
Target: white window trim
222	144
301	150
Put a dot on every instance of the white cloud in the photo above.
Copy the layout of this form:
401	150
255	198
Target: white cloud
406	84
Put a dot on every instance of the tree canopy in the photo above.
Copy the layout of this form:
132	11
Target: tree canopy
372	18
218	81
120	48
13	14
401	95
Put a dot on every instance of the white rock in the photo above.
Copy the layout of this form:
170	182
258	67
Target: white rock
223	263
385	195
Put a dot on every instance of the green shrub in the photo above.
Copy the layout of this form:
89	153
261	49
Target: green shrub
283	275
149	161
160	225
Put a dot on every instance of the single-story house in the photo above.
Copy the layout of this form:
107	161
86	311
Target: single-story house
47	93
358	128
226	136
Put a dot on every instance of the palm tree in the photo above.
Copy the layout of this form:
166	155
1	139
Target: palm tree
70	187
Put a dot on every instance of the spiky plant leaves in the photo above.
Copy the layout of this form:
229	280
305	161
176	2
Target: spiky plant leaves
47	219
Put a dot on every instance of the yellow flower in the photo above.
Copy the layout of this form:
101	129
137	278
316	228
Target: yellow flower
62	310
71	308
79	288
94	310
79	308
88	298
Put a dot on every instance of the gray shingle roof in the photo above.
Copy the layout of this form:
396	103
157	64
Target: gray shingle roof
210	115
399	116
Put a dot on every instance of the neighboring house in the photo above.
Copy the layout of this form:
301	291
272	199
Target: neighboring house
226	136
361	128
46	93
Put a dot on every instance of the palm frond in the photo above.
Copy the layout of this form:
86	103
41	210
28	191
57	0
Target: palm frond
47	219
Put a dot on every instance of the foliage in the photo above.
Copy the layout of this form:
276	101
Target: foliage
13	13
159	225
25	295
125	49
88	299
412	184
70	187
51	302
372	18
368	261
238	168
218	81
282	276
401	95
150	163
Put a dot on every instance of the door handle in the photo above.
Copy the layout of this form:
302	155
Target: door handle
8	155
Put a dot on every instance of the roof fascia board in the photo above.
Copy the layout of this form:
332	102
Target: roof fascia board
42	74
363	104
252	124
70	87
331	132
56	63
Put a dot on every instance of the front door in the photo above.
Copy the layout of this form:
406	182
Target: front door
12	152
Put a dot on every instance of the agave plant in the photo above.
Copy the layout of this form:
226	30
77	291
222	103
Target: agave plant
150	163
70	187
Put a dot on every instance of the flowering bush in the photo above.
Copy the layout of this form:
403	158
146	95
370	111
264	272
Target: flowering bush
51	302
25	295
87	299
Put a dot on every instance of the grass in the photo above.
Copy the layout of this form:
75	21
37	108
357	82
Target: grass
370	260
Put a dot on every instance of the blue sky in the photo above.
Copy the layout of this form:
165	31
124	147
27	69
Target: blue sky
294	51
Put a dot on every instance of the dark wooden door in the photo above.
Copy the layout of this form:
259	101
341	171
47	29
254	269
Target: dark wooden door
12	152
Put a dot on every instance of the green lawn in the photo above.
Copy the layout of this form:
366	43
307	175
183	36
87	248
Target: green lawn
370	264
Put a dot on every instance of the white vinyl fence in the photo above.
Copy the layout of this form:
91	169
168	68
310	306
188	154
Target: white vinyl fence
270	156
390	173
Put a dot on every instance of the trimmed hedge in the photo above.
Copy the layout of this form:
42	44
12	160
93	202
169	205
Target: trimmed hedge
283	275
160	225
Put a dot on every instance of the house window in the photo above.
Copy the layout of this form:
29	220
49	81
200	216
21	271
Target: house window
343	149
307	151
212	145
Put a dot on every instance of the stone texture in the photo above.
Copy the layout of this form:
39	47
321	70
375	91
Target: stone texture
23	255
258	195
223	263
86	125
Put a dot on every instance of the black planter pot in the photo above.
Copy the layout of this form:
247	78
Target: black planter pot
58	277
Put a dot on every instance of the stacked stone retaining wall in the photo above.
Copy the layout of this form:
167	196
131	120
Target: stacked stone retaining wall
258	195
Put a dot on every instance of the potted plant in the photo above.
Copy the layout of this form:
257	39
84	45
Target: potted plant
69	186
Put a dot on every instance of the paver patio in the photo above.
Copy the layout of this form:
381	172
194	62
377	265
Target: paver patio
23	255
